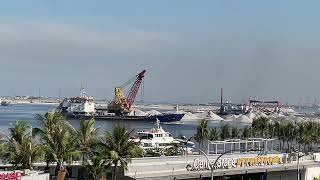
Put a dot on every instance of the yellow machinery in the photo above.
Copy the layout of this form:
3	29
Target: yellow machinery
121	105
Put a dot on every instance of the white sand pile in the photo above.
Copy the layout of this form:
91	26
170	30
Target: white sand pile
260	114
153	113
212	116
189	116
251	115
276	115
243	119
292	119
209	115
288	111
137	112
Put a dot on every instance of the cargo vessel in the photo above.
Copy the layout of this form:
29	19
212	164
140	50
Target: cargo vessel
83	106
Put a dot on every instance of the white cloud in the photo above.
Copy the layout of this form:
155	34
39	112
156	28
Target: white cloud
38	39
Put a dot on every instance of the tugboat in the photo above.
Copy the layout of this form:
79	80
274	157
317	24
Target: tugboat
78	107
5	102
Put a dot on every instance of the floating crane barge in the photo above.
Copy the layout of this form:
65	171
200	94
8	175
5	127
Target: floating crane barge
119	109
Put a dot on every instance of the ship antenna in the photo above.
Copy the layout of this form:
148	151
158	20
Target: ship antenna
158	123
82	91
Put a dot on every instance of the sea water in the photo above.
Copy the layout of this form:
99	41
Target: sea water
10	114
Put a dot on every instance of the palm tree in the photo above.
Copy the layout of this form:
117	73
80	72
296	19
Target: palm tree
119	149
19	131
202	132
271	130
23	148
282	135
245	132
214	134
234	132
309	132
59	138
87	136
26	153
300	138
224	132
96	164
3	148
317	136
260	125
291	134
48	122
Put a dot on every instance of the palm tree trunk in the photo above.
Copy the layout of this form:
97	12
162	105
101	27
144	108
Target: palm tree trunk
114	175
47	168
279	145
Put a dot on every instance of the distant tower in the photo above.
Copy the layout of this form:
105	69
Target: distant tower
59	94
221	97
39	95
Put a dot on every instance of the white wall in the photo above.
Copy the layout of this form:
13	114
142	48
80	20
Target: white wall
36	177
312	172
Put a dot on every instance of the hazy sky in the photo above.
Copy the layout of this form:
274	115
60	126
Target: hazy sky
268	49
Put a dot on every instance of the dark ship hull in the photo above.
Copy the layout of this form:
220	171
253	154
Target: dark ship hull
164	118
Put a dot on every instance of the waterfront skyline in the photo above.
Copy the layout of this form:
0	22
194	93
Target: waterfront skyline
190	49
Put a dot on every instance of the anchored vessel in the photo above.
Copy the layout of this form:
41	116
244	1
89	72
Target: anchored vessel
84	106
5	102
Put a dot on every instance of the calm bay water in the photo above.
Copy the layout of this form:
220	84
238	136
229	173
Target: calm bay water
10	114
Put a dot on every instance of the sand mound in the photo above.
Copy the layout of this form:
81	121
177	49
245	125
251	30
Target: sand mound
243	119
251	115
260	114
189	116
213	116
288	111
137	112
153	113
209	116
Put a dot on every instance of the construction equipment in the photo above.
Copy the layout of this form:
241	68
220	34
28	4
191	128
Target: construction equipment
121	105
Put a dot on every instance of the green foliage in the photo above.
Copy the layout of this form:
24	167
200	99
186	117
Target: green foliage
235	132
118	148
245	133
137	152
214	134
202	132
87	136
59	138
174	150
23	149
19	131
153	153
95	164
225	132
260	126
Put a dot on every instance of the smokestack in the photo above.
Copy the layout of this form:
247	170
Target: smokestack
221	97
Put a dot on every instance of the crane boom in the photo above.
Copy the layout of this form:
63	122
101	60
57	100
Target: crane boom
122	105
134	89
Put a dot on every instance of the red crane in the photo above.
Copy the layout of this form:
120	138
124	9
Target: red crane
134	89
122	104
